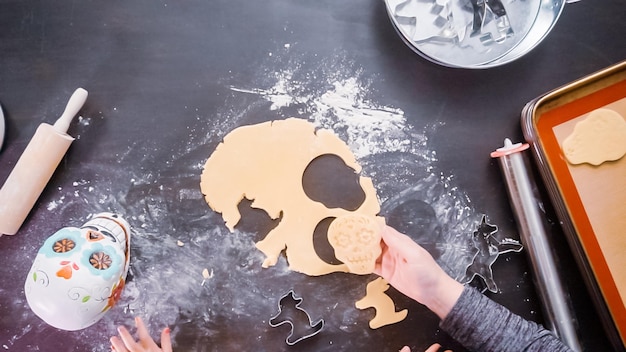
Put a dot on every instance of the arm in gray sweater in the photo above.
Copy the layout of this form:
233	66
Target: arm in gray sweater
481	324
474	320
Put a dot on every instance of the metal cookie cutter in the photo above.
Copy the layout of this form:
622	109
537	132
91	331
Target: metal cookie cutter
289	312
488	249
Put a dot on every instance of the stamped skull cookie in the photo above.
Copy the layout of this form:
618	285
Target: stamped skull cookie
356	240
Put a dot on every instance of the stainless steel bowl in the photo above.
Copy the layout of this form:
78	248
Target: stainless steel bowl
473	33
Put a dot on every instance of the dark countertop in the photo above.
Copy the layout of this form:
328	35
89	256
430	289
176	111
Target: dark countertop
167	81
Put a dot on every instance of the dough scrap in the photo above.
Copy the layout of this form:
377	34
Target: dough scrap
598	138
385	308
356	240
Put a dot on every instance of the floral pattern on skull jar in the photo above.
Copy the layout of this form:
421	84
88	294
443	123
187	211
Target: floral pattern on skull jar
116	294
102	261
62	243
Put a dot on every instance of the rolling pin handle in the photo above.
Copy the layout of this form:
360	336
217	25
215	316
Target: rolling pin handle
76	102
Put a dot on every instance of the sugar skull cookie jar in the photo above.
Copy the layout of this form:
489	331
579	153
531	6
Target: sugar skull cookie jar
79	273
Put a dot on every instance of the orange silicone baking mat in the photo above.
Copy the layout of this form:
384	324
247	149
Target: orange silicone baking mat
594	196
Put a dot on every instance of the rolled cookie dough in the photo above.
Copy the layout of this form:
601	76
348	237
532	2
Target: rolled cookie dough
265	163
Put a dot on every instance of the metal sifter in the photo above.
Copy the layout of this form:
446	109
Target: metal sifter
473	33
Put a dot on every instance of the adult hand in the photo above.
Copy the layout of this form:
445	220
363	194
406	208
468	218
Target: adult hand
126	343
412	270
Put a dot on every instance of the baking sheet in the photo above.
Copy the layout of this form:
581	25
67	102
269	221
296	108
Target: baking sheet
602	191
593	196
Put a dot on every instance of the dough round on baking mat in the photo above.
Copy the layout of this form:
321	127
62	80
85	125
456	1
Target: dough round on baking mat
598	138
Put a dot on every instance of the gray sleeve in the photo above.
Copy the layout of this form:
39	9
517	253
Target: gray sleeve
481	324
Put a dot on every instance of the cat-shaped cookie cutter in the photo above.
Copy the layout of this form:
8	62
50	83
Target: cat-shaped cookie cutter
289	312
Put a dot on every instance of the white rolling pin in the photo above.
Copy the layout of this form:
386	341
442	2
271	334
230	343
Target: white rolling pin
36	166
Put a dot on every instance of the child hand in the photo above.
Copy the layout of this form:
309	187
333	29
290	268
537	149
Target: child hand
126	343
433	348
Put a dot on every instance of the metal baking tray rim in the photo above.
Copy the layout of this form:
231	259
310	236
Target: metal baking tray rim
556	196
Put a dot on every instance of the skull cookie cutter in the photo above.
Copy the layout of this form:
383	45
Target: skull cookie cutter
79	273
289	312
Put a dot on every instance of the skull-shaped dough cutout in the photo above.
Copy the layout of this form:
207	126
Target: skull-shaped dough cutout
79	273
356	240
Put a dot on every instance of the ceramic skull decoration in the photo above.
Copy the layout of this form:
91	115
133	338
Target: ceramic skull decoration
356	240
79	273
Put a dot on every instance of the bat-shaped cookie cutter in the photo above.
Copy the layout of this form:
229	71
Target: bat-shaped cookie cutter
289	312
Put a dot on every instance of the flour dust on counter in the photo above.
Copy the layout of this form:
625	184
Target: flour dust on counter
189	272
211	279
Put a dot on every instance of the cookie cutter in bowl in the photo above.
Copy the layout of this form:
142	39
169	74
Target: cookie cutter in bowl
473	33
289	312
